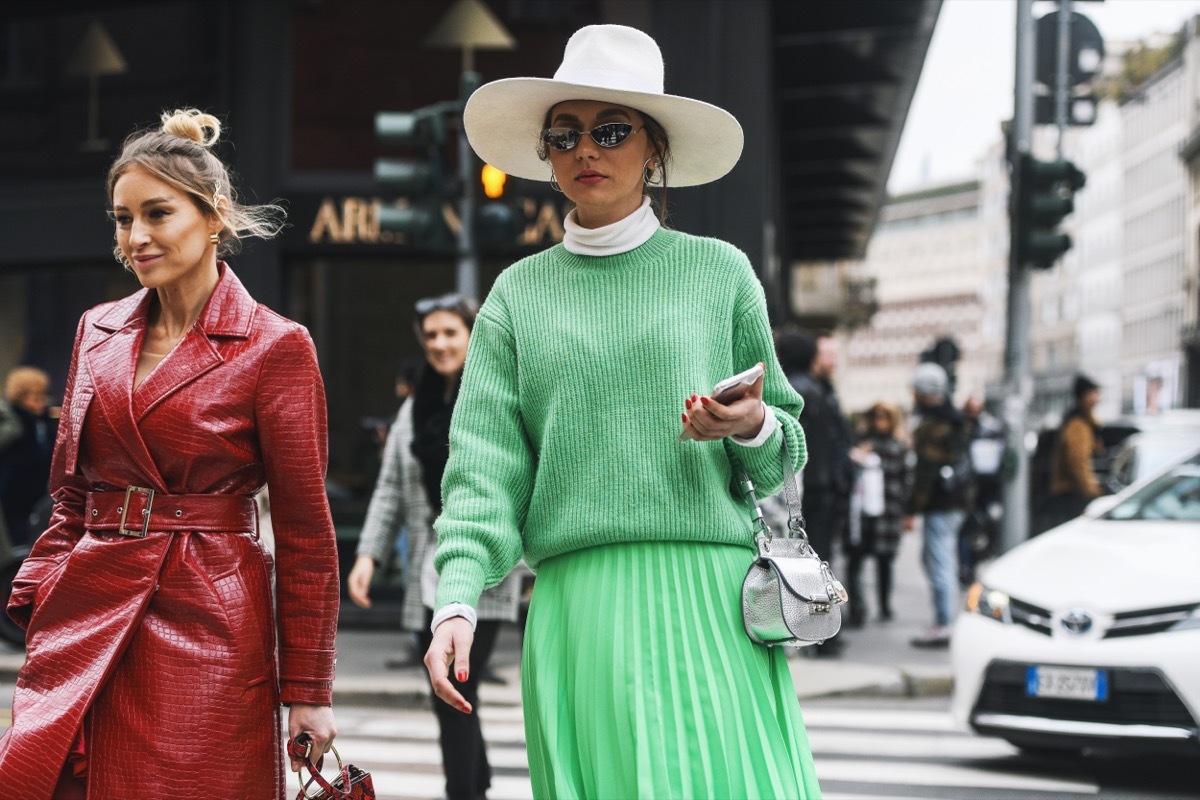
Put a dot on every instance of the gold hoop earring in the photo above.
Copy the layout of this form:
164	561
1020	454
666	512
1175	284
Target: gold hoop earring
649	177
215	238
554	182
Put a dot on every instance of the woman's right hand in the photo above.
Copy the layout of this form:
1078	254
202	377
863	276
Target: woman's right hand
451	645
360	580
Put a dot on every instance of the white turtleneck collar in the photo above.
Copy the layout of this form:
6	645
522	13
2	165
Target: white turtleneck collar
619	237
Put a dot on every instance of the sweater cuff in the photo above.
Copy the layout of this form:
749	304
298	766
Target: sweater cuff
460	580
450	612
770	423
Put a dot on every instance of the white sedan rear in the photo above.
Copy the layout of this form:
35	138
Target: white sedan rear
1088	636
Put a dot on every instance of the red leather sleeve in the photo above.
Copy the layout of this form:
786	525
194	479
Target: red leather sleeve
293	434
69	491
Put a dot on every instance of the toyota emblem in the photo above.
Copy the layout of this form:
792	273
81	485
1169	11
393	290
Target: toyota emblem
1078	622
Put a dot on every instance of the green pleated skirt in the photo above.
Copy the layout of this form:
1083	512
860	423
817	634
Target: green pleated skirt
639	681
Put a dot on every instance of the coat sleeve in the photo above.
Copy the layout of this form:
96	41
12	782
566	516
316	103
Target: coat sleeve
293	434
753	342
488	482
69	491
386	511
1078	443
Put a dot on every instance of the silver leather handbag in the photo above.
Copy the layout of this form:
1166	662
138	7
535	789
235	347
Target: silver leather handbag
789	596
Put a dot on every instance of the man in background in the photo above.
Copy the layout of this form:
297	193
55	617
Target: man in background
1073	482
943	490
828	478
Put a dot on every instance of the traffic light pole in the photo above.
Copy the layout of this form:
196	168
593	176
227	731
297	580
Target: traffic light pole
1017	381
1063	82
467	278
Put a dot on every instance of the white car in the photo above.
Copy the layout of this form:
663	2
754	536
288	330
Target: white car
1088	636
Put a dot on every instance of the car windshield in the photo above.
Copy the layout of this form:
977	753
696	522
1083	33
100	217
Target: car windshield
1173	496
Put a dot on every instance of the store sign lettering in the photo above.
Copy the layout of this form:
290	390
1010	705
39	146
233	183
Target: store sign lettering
355	220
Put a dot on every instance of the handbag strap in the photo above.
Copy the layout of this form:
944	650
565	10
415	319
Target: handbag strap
791	495
301	747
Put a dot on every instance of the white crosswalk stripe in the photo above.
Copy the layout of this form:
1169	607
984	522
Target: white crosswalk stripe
911	754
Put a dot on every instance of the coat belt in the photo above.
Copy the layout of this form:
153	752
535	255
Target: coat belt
137	511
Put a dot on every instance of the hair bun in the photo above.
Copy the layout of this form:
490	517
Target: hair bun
192	124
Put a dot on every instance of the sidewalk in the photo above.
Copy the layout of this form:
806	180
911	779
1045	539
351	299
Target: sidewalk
876	660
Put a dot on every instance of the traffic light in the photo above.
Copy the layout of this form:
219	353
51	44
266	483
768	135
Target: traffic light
493	181
422	180
1045	197
497	223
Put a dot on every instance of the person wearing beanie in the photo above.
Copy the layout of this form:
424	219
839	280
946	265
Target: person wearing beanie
587	362
943	489
1073	482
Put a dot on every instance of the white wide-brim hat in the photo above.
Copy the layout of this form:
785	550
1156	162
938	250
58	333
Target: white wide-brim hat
612	64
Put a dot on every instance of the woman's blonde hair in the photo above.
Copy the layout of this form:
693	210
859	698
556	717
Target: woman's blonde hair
23	381
180	154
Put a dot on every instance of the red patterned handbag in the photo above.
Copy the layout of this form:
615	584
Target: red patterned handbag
352	784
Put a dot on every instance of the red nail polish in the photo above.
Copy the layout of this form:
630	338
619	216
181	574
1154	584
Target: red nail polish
684	419
687	403
704	400
462	676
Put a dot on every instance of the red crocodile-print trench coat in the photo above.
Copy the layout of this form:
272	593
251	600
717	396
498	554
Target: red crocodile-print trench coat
158	655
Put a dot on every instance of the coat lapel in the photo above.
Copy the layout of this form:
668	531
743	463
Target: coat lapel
111	363
227	314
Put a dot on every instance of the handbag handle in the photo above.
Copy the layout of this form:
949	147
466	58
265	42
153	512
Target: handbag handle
300	746
791	495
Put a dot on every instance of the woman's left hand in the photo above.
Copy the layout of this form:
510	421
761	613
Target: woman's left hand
317	722
706	420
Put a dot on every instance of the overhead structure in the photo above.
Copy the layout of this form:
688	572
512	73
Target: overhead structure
845	75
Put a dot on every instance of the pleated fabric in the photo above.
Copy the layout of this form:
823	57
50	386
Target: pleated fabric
639	682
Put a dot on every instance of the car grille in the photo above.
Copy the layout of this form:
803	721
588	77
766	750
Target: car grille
1136	697
1126	623
1154	620
1029	615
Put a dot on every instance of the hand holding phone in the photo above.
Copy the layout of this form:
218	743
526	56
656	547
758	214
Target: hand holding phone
732	389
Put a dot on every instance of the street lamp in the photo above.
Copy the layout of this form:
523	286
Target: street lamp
469	25
95	56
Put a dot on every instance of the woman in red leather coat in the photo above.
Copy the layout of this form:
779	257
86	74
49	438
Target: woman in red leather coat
158	656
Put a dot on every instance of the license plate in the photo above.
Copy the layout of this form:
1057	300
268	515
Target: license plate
1069	683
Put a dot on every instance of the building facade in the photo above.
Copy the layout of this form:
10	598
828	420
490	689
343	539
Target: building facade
927	263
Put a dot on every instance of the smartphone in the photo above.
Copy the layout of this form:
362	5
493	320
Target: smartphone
734	387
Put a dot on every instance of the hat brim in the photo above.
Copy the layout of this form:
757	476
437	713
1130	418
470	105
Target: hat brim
503	121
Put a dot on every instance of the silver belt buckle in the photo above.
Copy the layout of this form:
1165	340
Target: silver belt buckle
136	533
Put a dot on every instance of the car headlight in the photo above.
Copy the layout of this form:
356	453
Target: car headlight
988	602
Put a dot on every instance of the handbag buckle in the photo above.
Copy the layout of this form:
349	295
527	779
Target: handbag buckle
136	532
820	608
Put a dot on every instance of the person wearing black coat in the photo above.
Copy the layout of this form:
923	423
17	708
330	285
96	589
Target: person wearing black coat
25	462
828	477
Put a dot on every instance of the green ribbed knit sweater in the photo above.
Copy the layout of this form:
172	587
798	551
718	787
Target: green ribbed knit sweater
565	430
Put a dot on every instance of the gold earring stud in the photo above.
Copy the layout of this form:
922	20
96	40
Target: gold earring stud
214	238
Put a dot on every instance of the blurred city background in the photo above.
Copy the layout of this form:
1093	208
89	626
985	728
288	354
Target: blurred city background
874	198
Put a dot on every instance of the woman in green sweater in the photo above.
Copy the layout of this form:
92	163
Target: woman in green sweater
587	362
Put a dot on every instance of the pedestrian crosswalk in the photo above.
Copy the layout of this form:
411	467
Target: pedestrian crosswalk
860	752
